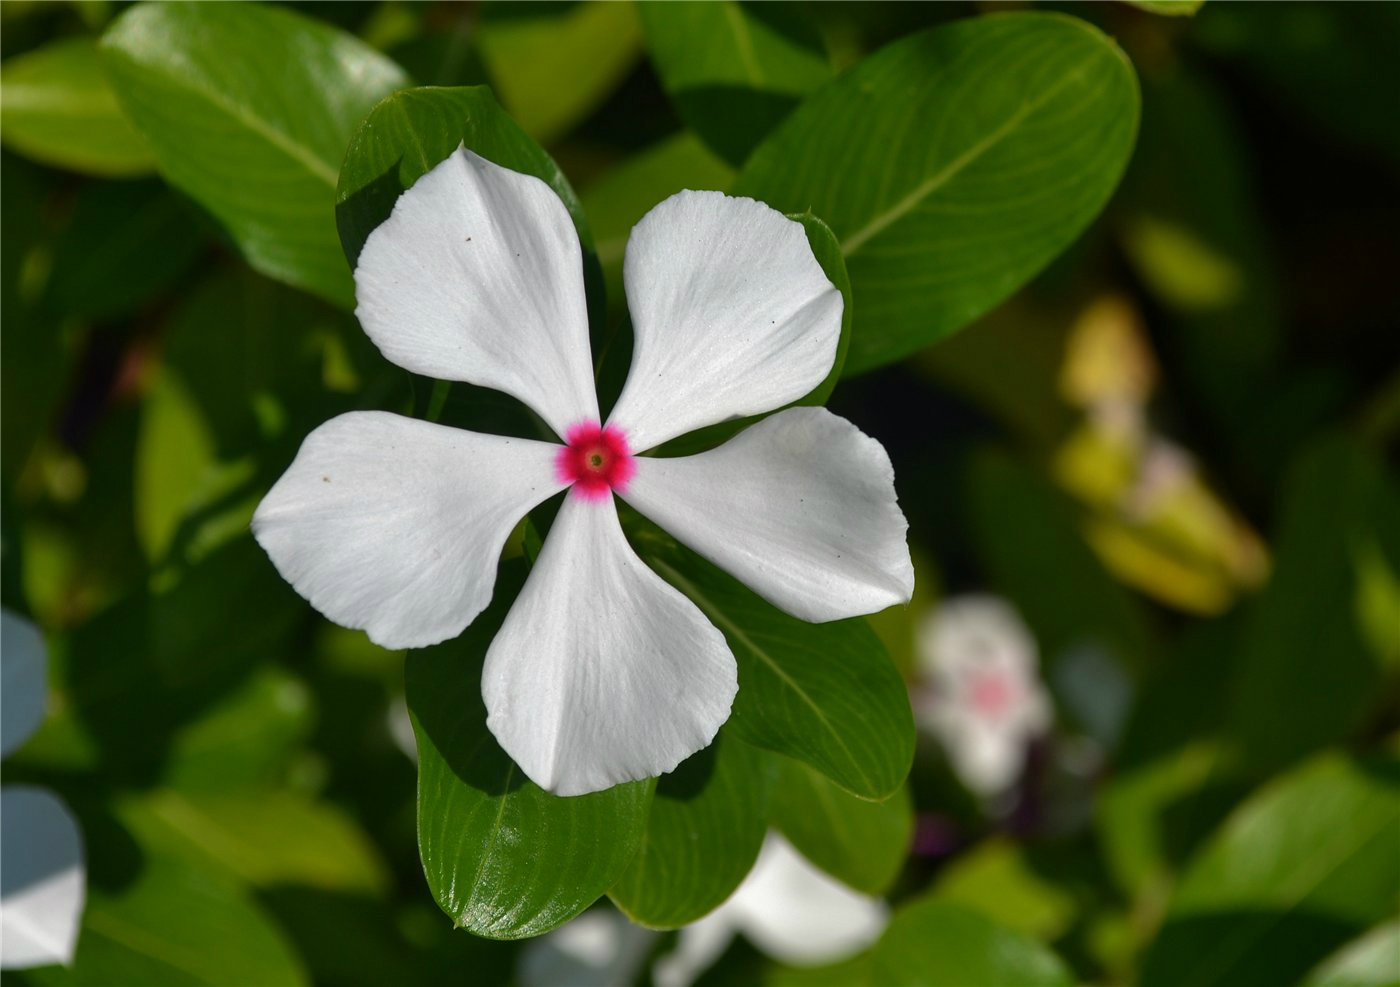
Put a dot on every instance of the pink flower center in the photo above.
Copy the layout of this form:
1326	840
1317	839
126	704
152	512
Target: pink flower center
991	693
596	461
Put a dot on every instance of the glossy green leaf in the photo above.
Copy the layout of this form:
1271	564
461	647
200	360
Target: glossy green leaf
859	842
1308	863
60	109
931	943
707	823
734	70
553	66
411	132
1013	131
178	925
248	110
825	694
504	858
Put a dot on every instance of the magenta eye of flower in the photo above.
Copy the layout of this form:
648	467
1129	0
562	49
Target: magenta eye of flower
596	460
992	693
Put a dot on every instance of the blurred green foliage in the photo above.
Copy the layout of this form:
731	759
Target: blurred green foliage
1219	800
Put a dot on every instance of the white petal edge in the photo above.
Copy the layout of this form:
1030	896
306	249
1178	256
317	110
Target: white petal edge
23	680
602	672
43	879
788	908
801	507
731	316
395	526
477	275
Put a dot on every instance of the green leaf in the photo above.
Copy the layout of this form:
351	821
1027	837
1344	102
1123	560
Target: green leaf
734	70
248	110
60	109
126	244
1369	961
504	858
178	925
707	824
1305	865
553	67
1168	8
995	880
411	132
1306	675
1014	130
859	842
263	837
934	944
826	694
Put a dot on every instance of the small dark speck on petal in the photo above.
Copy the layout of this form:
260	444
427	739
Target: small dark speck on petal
325	479
469	239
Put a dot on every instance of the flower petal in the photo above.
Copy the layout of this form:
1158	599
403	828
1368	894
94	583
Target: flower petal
731	314
42	878
477	275
395	525
602	672
801	915
23	680
801	507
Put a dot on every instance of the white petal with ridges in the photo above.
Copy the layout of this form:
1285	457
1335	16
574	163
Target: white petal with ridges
42	878
23	680
731	314
801	507
602	672
477	275
395	526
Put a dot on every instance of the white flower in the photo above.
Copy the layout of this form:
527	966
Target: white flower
602	672
600	948
982	694
42	875
786	907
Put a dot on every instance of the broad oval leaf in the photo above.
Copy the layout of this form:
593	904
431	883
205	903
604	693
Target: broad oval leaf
1009	134
1305	865
60	109
826	694
734	70
707	823
935	944
504	858
248	110
857	841
412	131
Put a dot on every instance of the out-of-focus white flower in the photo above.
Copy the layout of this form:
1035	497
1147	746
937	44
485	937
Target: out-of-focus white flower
602	672
981	693
600	948
789	909
42	874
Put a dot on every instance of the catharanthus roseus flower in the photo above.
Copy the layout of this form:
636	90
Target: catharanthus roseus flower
602	671
981	692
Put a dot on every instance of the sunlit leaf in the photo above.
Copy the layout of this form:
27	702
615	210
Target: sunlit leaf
248	110
1013	132
59	109
931	943
1305	865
